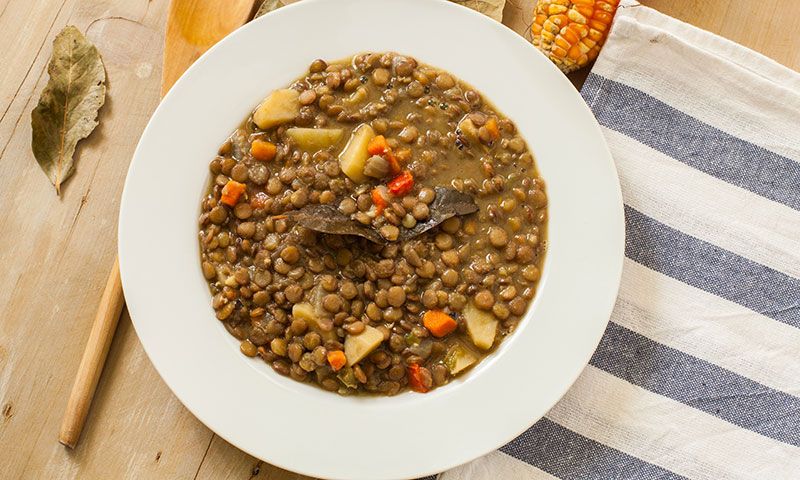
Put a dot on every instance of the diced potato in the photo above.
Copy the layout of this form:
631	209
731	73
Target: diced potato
279	107
307	312
357	97
355	155
481	326
468	130
458	358
359	346
313	139
304	311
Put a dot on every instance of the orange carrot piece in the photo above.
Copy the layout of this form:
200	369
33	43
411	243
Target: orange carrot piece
263	150
378	200
394	165
415	379
438	323
231	192
378	145
491	126
337	359
401	184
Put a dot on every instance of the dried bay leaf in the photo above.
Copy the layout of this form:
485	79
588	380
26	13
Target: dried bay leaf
68	106
491	8
325	218
447	204
268	6
328	219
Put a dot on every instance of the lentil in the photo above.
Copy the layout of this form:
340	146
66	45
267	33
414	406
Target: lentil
484	299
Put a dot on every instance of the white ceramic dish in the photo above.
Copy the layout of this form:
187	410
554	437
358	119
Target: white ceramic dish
287	423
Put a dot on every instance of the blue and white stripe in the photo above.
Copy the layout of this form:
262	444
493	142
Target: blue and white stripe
698	374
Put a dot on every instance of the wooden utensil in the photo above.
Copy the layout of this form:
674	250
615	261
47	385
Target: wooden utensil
193	26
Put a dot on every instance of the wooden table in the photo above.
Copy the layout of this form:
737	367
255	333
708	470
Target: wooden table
55	253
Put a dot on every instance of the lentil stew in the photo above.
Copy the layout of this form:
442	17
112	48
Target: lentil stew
375	227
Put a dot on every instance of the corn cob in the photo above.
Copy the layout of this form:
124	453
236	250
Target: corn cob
571	32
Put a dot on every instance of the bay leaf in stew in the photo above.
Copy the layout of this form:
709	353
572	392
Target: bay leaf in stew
448	203
328	219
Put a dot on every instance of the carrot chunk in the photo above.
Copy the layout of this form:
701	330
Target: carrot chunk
263	150
394	165
337	359
378	145
491	126
401	184
438	323
415	380
231	193
378	200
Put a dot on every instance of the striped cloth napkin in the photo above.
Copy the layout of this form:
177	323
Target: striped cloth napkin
698	374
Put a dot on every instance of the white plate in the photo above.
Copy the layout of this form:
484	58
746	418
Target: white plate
300	427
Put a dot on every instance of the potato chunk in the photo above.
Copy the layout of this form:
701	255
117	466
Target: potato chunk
468	130
481	326
359	346
307	312
458	358
279	107
354	156
314	139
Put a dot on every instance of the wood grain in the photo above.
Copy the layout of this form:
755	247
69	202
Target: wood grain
767	26
55	253
196	26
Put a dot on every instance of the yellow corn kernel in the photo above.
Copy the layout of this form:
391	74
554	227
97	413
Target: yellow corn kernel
571	32
570	36
598	25
603	16
581	30
576	16
595	35
559	52
574	53
551	26
562	43
585	10
609	7
559	20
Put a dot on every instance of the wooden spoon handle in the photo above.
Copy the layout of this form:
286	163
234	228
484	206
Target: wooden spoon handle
105	323
185	42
